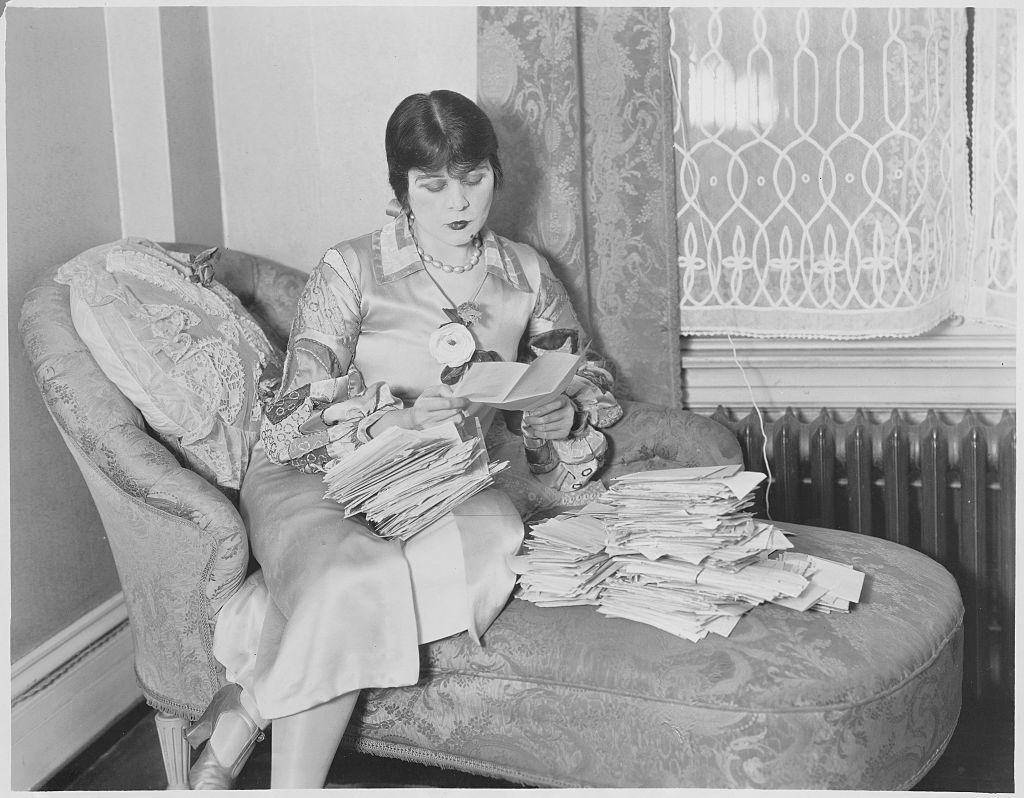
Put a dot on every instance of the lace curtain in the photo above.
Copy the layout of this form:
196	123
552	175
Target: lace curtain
822	169
993	282
797	172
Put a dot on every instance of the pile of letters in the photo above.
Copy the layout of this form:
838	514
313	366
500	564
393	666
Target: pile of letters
405	480
680	550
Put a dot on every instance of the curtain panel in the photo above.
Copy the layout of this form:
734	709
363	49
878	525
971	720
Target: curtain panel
992	289
582	102
822	169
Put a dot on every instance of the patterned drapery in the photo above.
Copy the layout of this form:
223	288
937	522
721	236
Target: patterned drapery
993	283
822	169
582	102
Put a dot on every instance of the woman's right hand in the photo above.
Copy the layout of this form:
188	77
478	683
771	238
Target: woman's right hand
435	405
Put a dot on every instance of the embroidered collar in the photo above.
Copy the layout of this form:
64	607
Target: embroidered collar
395	256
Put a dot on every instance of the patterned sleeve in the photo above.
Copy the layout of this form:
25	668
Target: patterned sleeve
569	464
318	373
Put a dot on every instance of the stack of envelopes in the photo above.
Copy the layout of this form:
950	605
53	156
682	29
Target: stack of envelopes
565	561
405	480
833	586
697	515
691	557
681	552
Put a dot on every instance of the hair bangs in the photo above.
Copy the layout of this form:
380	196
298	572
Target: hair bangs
442	132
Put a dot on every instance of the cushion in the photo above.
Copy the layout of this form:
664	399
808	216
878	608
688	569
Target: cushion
179	345
568	697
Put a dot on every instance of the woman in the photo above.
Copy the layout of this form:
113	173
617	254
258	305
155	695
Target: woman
336	608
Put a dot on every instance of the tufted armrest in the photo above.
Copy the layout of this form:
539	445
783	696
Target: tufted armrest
651	436
87	407
179	543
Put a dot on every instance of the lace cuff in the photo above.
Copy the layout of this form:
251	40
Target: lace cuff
296	433
590	391
569	464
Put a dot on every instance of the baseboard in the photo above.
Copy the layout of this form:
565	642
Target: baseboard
68	690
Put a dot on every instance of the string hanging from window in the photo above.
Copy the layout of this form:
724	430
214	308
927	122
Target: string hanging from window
992	285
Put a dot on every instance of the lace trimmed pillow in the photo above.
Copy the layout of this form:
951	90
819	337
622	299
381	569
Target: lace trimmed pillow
179	345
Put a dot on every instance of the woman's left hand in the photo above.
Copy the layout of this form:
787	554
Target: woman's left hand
550	421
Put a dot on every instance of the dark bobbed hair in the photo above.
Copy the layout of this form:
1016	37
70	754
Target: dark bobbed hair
442	131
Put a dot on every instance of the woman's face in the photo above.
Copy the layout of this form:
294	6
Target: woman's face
450	210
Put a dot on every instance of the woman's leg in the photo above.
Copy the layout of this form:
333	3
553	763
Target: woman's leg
304	744
340	611
231	725
459	567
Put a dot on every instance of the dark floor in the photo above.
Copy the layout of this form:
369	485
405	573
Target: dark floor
979	759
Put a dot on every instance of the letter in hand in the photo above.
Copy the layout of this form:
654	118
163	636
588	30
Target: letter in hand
551	420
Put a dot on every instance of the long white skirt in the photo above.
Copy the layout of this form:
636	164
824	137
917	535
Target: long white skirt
336	608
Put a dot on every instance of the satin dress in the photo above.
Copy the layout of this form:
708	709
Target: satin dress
335	608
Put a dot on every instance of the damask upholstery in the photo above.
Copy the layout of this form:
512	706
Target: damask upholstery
556	696
581	101
179	543
568	697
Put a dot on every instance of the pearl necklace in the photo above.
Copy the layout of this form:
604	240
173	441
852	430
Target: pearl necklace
430	260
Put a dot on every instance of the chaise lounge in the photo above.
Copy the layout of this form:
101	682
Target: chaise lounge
556	696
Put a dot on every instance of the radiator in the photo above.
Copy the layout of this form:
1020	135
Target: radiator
945	489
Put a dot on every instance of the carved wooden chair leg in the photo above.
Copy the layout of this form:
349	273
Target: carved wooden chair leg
175	749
